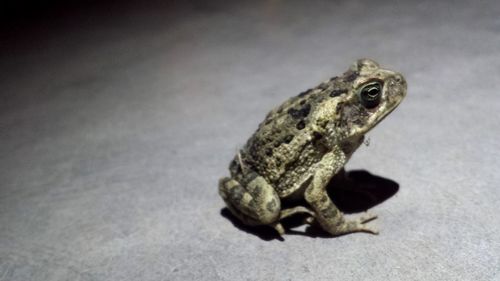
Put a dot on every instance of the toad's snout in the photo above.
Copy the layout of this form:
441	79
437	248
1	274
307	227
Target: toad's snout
396	89
400	83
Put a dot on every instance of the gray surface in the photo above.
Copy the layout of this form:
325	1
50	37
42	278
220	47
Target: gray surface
116	127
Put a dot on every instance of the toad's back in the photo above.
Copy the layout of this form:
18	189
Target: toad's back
286	142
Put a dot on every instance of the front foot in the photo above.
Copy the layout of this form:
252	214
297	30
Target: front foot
359	225
328	216
346	227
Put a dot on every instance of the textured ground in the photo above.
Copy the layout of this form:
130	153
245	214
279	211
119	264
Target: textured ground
116	125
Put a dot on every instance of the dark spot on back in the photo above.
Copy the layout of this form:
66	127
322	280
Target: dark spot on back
301	125
236	194
316	138
234	166
319	98
302	102
278	161
288	139
351	76
257	189
251	176
339	107
360	64
317	135
269	152
271	205
338	92
252	149
305	93
294	113
300	113
304	111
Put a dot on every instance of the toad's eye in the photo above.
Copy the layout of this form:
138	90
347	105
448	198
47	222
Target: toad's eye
370	94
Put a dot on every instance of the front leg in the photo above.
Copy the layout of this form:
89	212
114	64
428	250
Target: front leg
328	215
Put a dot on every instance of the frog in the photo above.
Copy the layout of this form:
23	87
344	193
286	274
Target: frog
306	141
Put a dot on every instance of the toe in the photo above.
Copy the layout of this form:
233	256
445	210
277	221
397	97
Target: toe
279	228
370	230
309	220
368	217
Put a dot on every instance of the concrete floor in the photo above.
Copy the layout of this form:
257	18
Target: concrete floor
117	123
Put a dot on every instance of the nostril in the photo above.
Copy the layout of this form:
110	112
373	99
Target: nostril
399	79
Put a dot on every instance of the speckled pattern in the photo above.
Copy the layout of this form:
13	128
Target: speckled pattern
115	128
305	142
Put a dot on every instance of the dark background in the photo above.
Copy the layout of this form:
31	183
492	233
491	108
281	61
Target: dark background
118	118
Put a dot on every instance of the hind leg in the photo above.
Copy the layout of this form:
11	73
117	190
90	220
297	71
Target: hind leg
254	201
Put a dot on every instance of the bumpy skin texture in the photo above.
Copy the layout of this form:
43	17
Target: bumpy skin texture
303	143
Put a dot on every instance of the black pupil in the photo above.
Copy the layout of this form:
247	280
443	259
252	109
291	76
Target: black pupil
373	92
370	95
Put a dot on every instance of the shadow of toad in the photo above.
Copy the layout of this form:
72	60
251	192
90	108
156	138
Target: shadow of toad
355	192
